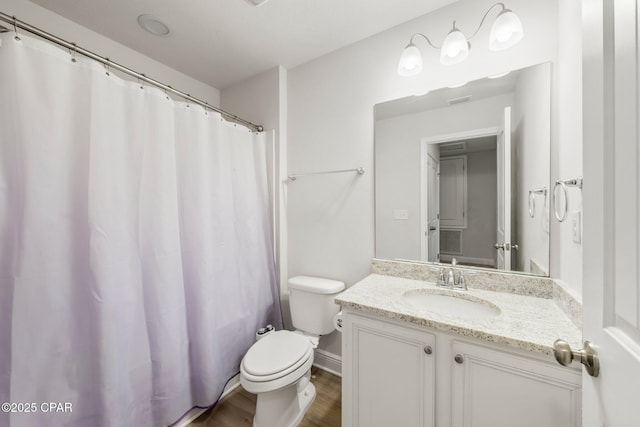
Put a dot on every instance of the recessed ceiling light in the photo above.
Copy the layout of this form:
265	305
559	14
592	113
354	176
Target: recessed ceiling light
154	26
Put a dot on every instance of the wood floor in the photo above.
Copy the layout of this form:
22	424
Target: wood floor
238	407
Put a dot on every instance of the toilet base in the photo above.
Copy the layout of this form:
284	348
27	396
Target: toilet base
285	407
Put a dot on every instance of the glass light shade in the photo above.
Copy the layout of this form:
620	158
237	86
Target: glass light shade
410	61
506	31
455	48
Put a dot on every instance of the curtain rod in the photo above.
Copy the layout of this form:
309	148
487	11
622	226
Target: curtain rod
16	23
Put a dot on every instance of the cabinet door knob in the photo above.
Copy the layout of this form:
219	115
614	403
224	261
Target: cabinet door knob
459	359
428	349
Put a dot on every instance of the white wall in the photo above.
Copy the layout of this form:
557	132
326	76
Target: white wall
262	99
531	140
331	99
70	31
397	162
566	259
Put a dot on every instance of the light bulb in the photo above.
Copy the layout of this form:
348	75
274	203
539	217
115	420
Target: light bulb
410	61
455	48
506	31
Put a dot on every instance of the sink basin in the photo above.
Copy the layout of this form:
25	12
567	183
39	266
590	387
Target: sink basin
450	304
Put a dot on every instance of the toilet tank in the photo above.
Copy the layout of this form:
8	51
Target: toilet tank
311	303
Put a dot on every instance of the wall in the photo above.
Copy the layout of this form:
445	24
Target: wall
531	143
330	126
70	31
397	161
566	259
262	99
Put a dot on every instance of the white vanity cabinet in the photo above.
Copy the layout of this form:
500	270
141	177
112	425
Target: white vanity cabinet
498	389
408	376
388	375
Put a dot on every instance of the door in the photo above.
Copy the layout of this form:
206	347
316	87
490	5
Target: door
503	166
611	290
495	388
389	375
433	210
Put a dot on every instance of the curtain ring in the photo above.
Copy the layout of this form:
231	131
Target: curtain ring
532	204
562	185
15	30
106	67
73	53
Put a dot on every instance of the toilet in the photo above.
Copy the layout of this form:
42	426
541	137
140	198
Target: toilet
278	366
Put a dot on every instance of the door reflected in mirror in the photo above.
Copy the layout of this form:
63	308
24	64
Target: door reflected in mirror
456	170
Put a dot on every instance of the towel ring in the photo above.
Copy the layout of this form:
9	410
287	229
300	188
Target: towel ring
532	204
532	199
564	184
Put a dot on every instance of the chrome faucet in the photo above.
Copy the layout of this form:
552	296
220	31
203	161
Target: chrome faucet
449	279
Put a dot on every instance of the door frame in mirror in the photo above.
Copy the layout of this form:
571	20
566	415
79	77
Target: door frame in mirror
424	149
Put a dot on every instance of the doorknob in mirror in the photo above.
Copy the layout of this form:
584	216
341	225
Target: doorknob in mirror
587	356
506	246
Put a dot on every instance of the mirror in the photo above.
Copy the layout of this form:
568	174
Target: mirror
464	173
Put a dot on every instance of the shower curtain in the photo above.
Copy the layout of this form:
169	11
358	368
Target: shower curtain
136	258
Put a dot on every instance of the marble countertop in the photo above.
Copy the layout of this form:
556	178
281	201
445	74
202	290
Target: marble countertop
524	322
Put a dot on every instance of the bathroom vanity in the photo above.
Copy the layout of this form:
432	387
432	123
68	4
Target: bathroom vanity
415	354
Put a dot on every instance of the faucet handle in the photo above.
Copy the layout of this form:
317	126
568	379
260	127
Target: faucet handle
462	282
441	281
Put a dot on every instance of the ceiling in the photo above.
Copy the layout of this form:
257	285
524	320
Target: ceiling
222	42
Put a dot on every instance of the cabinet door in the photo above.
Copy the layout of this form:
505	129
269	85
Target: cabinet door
388	377
492	388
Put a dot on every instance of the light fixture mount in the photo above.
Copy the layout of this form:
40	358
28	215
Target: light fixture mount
256	2
506	32
153	25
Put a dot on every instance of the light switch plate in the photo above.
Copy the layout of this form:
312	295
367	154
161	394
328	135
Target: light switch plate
576	227
400	214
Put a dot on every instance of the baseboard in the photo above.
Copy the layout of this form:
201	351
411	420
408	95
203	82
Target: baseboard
328	362
196	412
190	417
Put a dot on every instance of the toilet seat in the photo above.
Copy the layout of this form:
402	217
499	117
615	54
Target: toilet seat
275	361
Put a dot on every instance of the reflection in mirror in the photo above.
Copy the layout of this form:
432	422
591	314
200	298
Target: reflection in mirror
464	173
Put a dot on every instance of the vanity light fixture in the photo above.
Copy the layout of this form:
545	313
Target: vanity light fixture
506	31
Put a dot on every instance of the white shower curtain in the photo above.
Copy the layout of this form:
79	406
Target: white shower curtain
136	258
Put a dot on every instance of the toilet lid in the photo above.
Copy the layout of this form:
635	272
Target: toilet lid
275	353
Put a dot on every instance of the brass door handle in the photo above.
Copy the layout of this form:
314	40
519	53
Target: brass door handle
588	356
